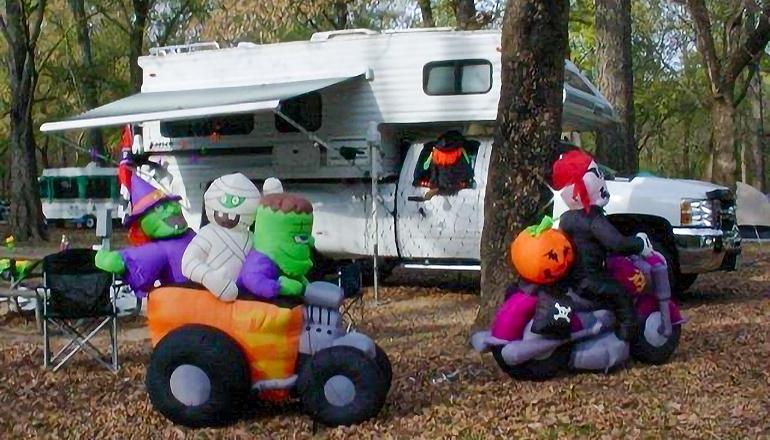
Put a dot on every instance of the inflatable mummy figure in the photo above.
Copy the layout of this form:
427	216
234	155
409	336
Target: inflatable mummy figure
215	256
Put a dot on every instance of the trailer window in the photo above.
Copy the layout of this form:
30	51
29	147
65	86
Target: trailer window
457	77
229	125
304	110
64	188
43	185
575	81
98	188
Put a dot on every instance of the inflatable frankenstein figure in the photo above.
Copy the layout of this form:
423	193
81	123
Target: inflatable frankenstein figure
160	234
282	242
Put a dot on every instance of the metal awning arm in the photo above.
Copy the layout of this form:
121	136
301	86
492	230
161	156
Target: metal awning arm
302	130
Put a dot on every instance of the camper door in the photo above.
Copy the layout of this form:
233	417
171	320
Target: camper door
445	226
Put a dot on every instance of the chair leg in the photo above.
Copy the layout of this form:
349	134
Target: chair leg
80	342
46	345
114	341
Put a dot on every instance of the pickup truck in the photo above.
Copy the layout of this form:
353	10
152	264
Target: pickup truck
692	223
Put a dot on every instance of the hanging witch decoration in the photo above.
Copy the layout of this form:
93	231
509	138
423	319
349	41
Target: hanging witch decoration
447	168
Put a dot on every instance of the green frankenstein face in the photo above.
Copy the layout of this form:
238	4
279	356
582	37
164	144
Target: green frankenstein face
285	237
165	220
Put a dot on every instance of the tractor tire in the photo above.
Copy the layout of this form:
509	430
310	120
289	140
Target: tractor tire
198	377
342	386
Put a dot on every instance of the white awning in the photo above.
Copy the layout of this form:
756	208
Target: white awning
185	104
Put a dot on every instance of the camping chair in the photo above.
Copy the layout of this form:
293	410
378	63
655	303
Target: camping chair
77	299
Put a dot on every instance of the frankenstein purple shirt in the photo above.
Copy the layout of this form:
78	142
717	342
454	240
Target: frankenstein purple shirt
259	276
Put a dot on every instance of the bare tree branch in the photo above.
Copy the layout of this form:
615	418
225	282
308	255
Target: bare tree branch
744	89
4	30
705	42
752	48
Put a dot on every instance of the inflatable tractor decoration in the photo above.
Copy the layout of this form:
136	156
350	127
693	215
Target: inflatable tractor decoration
210	356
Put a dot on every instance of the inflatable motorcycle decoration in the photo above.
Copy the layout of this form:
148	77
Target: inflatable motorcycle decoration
590	343
210	356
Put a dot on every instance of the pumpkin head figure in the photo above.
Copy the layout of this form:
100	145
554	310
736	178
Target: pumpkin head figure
541	254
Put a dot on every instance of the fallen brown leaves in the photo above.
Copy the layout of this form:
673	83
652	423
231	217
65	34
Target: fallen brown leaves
716	386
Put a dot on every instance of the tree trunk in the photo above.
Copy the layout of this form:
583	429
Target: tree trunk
426	10
88	82
26	217
686	149
534	39
616	147
465	13
136	42
757	143
723	127
340	15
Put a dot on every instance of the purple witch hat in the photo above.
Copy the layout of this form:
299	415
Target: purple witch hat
144	197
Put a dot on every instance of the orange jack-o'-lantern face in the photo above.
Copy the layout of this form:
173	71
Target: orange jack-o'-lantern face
541	254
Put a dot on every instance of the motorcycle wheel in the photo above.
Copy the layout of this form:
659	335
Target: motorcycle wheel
536	369
651	347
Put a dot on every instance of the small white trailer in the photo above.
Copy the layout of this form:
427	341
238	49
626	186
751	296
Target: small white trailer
79	193
301	111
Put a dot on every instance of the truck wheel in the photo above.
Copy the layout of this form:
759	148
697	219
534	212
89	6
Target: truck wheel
536	369
197	376
673	266
383	362
685	280
89	221
342	386
651	347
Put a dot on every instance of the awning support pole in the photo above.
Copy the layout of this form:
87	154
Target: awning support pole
373	139
301	129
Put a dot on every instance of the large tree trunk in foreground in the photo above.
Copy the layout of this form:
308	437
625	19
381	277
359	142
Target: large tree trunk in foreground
88	84
534	41
616	147
21	29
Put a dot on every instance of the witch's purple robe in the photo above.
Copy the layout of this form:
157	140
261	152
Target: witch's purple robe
159	260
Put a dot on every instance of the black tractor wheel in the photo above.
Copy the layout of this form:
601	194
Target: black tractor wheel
537	369
651	347
383	362
198	377
342	386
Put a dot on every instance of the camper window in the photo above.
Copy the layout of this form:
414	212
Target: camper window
222	125
457	77
65	188
99	187
304	110
575	81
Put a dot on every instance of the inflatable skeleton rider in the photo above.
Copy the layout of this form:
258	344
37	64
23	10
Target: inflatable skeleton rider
583	189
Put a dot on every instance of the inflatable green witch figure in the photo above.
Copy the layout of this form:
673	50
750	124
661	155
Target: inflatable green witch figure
160	236
282	244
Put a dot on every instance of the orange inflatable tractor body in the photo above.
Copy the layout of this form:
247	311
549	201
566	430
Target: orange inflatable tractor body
267	334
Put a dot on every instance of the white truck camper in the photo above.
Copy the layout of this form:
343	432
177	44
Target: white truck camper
301	111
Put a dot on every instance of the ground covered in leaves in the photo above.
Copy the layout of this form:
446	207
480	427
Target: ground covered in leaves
716	386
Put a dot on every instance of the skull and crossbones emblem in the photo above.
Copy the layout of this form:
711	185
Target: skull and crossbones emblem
562	312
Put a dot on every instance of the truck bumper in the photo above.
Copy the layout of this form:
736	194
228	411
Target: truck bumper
705	250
